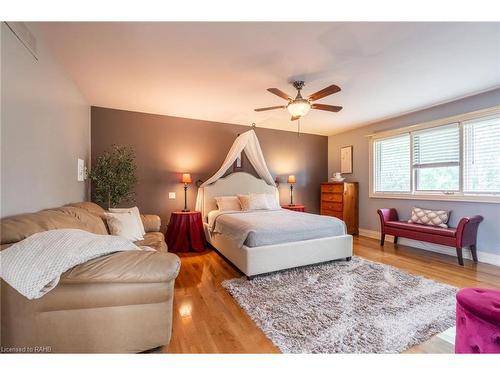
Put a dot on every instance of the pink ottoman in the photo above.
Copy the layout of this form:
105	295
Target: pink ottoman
478	321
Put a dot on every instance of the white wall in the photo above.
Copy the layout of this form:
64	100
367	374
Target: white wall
45	128
488	234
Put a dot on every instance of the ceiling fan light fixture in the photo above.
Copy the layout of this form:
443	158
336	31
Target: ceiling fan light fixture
299	107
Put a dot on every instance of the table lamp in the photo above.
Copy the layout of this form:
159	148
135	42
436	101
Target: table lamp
291	181
186	179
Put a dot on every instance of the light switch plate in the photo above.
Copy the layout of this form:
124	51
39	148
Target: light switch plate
81	170
171	195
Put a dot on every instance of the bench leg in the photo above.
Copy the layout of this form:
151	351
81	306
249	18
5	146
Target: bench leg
382	239
459	256
473	250
395	240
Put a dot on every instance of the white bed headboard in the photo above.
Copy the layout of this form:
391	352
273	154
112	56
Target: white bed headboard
235	183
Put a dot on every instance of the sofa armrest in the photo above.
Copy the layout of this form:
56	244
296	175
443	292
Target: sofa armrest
387	214
126	267
151	223
467	230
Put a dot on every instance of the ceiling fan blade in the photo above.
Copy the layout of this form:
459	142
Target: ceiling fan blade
324	107
332	89
294	118
280	93
269	108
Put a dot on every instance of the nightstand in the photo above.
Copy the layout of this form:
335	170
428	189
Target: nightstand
294	207
185	232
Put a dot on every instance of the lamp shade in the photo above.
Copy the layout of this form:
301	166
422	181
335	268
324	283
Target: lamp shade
186	178
291	179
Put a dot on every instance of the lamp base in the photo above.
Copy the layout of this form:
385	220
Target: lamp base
185	210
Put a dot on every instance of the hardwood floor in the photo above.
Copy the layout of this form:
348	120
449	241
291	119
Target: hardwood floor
206	319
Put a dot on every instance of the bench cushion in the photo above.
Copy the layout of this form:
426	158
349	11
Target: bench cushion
447	232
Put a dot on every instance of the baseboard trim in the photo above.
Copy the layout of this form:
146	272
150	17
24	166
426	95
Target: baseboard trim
482	256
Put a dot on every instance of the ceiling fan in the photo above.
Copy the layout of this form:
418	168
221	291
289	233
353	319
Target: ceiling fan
299	106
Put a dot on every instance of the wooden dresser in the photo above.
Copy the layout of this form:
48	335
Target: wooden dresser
340	199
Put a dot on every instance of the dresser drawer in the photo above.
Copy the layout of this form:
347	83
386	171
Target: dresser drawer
332	206
331	197
337	188
337	214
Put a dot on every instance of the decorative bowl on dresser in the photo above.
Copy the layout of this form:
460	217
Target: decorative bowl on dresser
340	199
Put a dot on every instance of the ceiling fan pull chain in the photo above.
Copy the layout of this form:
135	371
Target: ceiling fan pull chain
298	127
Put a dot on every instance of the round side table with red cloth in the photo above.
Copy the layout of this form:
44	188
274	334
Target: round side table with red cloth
295	207
185	232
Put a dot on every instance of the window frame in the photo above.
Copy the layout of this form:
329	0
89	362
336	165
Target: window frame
428	194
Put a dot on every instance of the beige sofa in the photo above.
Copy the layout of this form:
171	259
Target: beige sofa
119	303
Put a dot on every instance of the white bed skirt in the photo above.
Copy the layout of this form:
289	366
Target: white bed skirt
254	261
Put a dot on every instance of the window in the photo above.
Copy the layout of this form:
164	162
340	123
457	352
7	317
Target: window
392	158
436	158
452	159
482	156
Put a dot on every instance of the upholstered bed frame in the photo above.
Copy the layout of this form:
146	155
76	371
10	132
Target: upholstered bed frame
254	261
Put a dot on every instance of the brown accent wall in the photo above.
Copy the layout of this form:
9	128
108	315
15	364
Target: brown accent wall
167	146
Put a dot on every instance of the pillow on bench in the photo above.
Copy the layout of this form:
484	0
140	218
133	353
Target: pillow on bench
423	216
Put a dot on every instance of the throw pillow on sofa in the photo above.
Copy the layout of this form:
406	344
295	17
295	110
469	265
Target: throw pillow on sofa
124	224
134	211
429	217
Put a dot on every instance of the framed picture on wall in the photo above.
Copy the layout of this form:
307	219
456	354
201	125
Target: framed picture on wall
346	159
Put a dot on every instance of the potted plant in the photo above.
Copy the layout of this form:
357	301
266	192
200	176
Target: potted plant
113	176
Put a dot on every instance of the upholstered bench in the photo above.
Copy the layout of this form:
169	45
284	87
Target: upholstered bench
464	235
478	321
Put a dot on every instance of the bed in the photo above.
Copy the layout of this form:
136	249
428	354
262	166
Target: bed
260	242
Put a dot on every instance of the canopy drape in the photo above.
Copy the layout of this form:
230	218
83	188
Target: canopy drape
248	143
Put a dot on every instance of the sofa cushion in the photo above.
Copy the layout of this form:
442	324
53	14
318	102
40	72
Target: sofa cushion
448	232
152	223
126	267
91	207
156	240
17	228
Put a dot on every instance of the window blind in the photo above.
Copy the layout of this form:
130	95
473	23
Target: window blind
482	155
436	158
392	164
435	146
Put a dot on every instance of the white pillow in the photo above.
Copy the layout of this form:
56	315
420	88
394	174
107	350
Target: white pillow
134	211
253	201
273	202
228	203
124	224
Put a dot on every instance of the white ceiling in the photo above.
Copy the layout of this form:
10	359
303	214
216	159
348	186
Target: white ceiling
220	71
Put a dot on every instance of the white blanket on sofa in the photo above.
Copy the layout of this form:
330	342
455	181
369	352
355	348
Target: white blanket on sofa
34	265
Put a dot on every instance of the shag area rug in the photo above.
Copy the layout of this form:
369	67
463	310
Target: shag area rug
346	307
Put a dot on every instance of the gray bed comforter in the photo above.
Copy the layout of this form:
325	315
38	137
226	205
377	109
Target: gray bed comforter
260	228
